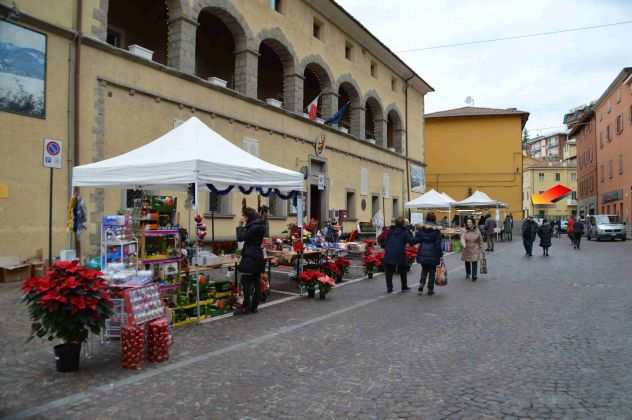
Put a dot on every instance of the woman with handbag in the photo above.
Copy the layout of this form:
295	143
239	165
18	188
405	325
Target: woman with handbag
472	249
429	252
251	231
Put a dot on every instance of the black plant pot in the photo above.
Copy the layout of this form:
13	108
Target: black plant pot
67	357
322	296
311	293
370	274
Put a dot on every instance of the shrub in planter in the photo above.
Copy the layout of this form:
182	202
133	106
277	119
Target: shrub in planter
67	303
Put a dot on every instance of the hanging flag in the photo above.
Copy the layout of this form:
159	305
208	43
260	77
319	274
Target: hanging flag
312	108
335	119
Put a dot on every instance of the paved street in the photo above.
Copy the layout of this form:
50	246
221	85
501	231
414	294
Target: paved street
537	338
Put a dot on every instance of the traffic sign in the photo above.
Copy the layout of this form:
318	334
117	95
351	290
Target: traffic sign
53	152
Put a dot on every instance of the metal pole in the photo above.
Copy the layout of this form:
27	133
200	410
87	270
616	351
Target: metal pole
50	219
213	226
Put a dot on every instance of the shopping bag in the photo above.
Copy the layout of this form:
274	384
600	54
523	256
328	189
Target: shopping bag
483	265
441	275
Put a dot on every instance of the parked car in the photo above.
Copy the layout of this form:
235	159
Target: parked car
604	226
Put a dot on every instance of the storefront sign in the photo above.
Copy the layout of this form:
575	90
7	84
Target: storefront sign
612	196
52	157
319	145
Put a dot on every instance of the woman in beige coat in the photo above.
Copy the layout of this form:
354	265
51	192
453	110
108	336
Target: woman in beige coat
472	244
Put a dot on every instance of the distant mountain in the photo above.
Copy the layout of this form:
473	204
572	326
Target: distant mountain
26	62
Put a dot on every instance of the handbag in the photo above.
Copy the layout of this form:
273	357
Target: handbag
483	264
441	275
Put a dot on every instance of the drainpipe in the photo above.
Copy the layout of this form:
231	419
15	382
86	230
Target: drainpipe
406	152
76	107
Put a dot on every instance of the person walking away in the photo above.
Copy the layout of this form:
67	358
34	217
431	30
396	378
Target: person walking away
429	252
529	229
251	231
472	249
264	213
570	229
578	232
481	227
395	254
545	232
490	231
508	227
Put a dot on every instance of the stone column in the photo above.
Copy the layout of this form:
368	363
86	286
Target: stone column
380	131
399	136
357	121
100	15
328	104
293	92
181	47
246	70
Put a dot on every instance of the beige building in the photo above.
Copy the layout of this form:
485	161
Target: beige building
112	75
541	175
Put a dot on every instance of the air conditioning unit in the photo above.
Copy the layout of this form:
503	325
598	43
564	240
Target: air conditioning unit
141	52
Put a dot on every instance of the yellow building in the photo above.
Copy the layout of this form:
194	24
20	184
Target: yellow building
473	148
112	75
541	175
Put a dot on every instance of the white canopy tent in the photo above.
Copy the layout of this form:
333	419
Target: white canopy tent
479	200
191	153
430	200
448	198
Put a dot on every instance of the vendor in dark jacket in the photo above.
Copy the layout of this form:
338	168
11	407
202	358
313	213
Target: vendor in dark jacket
395	254
251	231
429	252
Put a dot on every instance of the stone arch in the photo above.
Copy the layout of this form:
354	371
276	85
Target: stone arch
349	92
318	82
277	77
395	129
228	13
374	120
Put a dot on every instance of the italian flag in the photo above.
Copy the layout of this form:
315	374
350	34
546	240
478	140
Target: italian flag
312	108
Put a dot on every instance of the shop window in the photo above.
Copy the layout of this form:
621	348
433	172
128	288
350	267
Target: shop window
219	204
557	176
574	195
573	177
131	196
541	177
277	5
610	172
395	207
374	69
350	205
139	22
277	206
317	29
621	164
348	51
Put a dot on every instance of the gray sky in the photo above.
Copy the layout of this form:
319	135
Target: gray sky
545	76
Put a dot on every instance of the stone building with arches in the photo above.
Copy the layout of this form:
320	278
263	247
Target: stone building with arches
122	72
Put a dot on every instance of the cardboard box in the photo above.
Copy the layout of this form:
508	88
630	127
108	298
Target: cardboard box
13	270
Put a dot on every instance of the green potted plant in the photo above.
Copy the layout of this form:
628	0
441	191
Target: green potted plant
67	303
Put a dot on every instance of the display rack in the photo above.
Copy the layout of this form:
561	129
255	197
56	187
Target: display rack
119	245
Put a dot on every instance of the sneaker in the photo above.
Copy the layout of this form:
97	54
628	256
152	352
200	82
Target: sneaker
474	278
467	277
405	289
389	291
430	292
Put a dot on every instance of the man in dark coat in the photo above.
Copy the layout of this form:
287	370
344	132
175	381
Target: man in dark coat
252	263
578	232
429	252
529	230
395	254
545	232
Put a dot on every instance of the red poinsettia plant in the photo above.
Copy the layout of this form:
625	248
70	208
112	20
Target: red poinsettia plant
370	244
330	268
325	283
373	262
67	302
309	277
343	264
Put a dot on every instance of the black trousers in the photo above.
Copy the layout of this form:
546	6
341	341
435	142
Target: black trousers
528	246
578	240
471	268
389	270
429	272
252	291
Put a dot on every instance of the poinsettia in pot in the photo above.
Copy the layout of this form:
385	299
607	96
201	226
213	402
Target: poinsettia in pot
67	303
308	280
325	283
331	269
343	265
371	264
